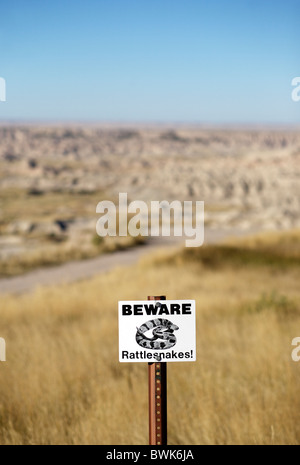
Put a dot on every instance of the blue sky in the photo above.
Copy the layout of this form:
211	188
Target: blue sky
215	62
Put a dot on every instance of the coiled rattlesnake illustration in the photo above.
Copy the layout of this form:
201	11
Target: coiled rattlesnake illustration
162	329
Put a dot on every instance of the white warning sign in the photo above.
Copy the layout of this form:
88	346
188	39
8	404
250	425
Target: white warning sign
157	330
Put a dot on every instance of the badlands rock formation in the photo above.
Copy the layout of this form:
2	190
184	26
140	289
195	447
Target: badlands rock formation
247	178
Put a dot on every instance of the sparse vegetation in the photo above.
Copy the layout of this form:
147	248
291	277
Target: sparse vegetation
52	178
54	254
52	228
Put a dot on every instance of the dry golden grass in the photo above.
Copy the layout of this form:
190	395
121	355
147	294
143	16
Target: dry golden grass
62	382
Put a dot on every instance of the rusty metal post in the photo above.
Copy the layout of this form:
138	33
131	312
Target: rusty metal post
157	382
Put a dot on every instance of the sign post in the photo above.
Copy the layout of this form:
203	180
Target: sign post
157	332
157	390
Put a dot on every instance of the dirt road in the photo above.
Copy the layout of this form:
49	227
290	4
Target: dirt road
79	270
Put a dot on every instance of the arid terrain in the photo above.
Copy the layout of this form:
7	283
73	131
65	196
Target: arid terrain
62	382
51	179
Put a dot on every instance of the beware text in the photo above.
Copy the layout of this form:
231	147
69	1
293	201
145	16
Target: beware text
154	309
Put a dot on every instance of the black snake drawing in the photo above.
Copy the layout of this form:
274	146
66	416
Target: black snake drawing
163	334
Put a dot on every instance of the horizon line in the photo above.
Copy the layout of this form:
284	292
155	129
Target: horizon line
148	124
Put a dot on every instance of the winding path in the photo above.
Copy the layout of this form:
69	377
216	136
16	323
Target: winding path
84	269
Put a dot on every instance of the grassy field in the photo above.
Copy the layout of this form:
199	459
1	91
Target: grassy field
62	382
